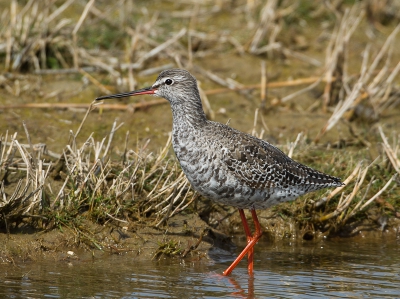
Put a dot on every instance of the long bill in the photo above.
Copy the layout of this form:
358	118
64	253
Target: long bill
147	90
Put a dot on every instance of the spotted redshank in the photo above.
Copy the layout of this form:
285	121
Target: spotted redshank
226	165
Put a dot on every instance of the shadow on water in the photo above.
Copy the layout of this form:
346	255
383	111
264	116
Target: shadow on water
333	269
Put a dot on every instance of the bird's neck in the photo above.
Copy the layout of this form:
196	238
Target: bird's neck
188	113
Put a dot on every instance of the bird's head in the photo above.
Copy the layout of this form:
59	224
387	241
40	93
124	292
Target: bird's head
175	85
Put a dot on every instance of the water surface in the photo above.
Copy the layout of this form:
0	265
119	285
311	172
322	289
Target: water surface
333	269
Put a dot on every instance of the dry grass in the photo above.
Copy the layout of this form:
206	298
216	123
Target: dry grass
103	189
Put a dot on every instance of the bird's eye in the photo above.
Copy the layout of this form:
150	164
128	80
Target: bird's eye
168	81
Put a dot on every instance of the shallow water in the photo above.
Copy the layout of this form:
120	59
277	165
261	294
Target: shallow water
333	269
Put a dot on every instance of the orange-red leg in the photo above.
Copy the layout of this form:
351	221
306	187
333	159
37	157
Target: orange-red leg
250	255
251	241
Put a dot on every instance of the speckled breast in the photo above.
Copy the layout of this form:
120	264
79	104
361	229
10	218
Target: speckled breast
201	161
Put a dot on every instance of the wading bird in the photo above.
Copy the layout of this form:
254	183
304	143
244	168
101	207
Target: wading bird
226	165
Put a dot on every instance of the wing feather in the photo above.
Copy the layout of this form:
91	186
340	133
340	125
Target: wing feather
261	165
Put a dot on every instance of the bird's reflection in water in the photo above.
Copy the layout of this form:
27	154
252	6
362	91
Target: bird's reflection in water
241	291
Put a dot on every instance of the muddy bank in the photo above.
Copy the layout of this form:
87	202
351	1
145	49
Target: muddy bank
185	236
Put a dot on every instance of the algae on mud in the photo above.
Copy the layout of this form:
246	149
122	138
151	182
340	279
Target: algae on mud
117	178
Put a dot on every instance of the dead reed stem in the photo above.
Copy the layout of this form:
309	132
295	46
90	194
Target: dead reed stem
76	29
